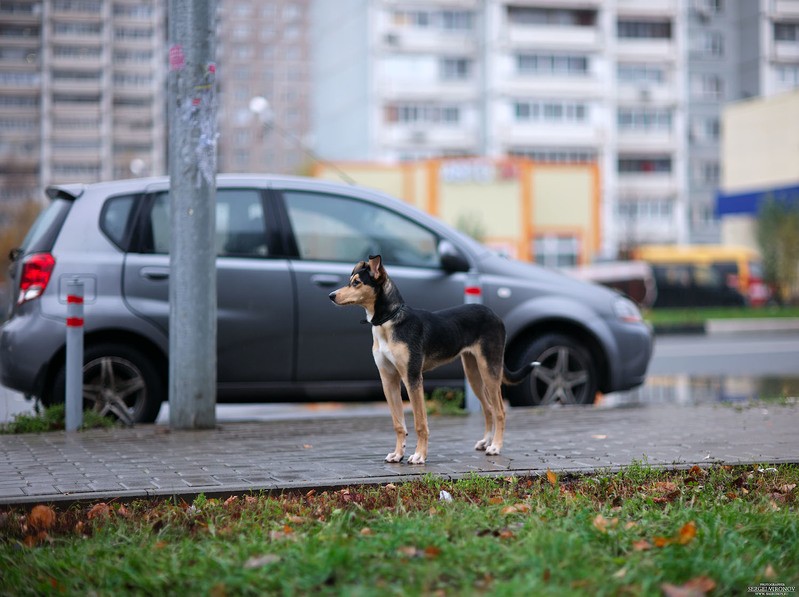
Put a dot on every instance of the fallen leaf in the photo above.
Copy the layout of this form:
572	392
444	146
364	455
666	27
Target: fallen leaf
366	532
296	519
261	561
218	590
642	545
523	508
432	552
620	573
599	436
41	518
769	572
687	533
307	446
444	496
509	510
787	488
390	486
100	510
696	587
495	501
231	501
601	523
661	541
506	534
408	551
552	478
160	544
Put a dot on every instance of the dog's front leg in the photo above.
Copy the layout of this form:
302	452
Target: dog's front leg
416	395
393	393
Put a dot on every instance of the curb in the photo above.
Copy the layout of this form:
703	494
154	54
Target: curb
730	326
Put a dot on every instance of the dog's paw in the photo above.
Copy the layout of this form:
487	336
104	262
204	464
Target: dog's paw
492	450
394	457
416	459
481	445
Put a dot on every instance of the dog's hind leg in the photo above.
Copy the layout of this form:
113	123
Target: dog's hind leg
492	383
416	394
392	391
475	380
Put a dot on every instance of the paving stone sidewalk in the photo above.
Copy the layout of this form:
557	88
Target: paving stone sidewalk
152	460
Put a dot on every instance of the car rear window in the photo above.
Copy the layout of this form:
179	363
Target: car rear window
45	229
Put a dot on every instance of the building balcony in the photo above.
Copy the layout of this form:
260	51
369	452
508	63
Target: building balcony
552	37
637	140
436	42
645	93
650	8
664	50
435	91
786	50
432	136
547	134
548	86
652	183
786	8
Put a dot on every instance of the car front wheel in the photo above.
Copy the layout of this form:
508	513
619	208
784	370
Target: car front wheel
566	374
119	382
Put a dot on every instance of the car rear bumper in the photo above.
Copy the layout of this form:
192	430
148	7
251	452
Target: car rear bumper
27	344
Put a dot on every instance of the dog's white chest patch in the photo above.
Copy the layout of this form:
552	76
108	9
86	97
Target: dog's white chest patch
382	348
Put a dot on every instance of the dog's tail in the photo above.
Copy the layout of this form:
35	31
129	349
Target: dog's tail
514	377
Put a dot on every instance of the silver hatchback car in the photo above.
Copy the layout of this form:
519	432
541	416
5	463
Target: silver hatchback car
283	243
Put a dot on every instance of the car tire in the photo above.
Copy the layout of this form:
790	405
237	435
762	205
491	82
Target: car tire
118	381
566	375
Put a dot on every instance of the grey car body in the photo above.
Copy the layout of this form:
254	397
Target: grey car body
283	243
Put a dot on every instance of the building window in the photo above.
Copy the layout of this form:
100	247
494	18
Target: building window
643	29
788	75
551	64
556	250
556	155
417	113
707	86
647	208
532	15
644	119
444	20
707	172
550	111
634	72
786	31
644	165
709	44
455	69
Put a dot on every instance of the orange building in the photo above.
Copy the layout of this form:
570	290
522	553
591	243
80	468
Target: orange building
543	212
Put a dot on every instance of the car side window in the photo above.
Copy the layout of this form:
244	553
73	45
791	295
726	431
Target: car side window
240	224
335	228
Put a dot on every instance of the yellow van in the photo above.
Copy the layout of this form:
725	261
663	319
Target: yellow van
705	275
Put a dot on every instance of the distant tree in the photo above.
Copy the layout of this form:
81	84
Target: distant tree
471	224
16	220
778	237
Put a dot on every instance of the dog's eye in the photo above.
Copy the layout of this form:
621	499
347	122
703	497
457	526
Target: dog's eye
355	283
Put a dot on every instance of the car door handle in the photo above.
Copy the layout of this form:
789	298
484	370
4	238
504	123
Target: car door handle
326	280
154	273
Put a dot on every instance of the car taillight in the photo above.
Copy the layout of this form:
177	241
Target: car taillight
36	272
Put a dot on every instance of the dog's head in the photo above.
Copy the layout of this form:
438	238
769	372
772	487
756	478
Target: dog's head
366	278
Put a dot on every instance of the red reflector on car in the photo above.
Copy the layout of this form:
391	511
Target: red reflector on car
36	272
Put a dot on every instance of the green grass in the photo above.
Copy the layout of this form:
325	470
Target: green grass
630	532
52	419
700	315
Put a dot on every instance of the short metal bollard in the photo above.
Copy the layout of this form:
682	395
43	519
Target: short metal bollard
74	365
472	294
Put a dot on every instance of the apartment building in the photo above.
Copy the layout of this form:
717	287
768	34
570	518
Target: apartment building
263	52
635	86
82	93
83	90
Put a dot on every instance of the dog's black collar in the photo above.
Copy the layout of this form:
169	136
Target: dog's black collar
382	320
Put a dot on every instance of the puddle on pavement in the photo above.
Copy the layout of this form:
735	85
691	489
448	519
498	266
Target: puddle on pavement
689	390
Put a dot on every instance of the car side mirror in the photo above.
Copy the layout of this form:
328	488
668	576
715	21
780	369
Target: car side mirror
452	260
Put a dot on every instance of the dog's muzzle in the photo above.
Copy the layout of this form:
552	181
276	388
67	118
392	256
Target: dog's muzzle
332	296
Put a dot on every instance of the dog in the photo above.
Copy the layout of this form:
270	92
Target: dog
408	342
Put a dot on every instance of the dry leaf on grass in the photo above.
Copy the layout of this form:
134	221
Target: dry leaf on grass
696	587
552	478
41	518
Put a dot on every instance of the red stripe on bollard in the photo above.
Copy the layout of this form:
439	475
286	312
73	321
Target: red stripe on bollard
75	300
473	290
74	322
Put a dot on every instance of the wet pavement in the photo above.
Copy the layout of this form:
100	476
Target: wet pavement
335	449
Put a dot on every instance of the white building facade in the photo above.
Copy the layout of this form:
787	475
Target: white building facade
636	86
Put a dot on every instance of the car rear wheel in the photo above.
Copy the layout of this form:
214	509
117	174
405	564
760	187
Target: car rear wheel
566	375
118	382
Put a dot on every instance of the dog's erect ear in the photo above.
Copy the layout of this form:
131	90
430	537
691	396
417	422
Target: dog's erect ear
376	267
360	265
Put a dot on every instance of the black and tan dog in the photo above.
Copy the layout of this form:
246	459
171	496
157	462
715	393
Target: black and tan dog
409	341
